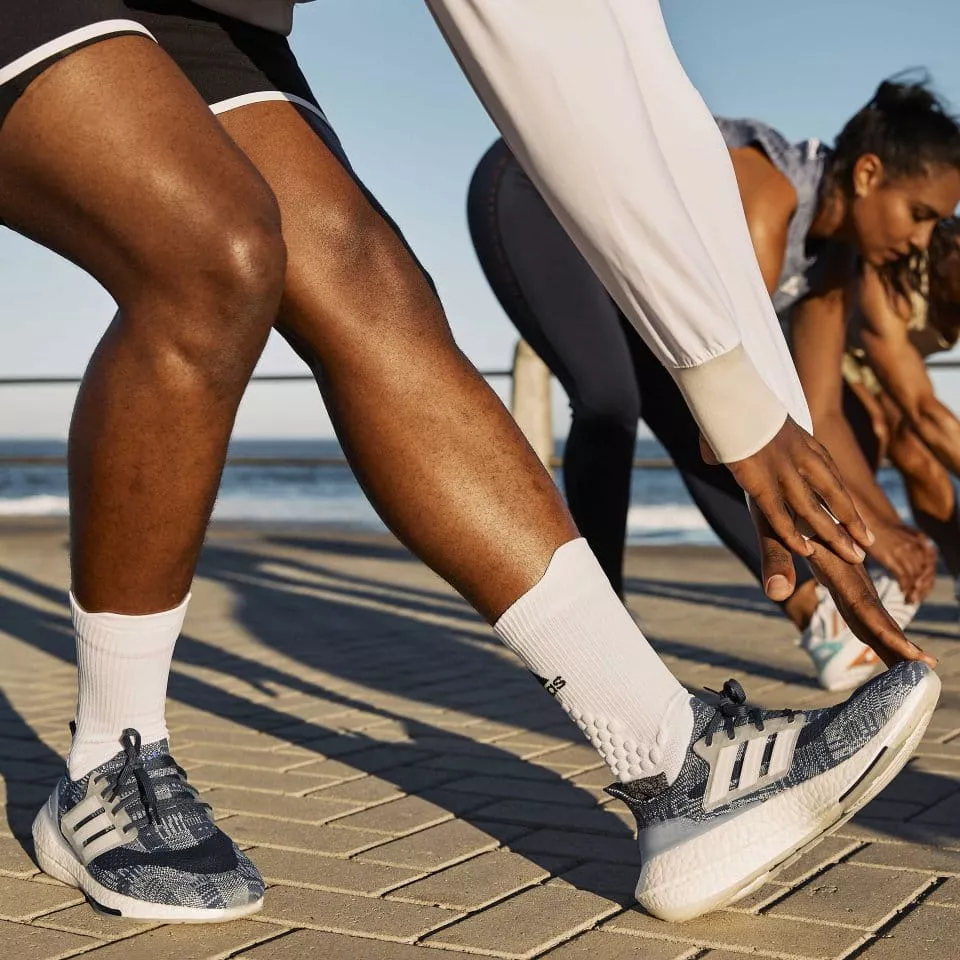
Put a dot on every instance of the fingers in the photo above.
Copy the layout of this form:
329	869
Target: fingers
877	629
858	603
779	574
823	478
779	519
814	521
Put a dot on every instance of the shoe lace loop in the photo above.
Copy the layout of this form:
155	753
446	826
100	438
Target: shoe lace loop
133	787
732	711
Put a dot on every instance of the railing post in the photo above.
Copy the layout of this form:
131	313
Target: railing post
530	401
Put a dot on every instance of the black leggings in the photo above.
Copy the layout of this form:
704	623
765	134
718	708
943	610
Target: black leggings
612	379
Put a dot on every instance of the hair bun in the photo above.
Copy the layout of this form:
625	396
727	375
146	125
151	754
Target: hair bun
893	96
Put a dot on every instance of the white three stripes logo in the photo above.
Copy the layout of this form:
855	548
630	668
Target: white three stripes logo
92	828
742	765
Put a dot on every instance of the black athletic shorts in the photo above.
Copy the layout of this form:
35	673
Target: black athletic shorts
229	62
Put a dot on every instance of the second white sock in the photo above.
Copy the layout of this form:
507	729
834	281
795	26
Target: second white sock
575	635
124	665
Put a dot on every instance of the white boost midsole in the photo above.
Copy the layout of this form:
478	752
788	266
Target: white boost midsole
672	883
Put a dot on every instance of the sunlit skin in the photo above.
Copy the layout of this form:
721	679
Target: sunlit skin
923	433
878	217
429	440
885	217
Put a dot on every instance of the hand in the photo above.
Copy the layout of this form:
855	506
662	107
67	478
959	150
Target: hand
908	555
850	585
794	482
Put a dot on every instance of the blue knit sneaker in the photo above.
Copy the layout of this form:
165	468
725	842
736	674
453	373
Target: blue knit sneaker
759	787
134	837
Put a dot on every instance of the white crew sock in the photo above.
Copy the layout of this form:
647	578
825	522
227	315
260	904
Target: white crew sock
123	663
573	632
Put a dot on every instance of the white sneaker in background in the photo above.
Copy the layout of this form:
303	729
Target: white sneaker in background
842	661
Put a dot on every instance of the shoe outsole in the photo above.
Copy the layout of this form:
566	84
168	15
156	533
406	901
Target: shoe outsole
56	859
672	900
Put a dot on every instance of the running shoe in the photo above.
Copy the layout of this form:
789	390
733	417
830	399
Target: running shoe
135	838
842	660
895	601
759	787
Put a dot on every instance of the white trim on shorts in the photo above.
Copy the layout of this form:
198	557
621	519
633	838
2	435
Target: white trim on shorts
264	96
50	49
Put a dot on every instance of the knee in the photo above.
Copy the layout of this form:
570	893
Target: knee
217	289
371	282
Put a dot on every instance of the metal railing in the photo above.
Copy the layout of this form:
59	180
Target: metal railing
530	406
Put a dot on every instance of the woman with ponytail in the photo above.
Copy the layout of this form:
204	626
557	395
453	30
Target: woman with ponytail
815	215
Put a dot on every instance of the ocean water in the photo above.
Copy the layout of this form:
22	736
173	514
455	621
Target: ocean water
661	510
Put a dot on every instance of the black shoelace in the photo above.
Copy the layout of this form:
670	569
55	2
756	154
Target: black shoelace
732	710
134	786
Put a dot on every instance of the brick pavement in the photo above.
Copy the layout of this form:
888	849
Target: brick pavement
409	792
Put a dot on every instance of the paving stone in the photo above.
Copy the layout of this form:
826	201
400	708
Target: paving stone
730	930
85	920
849	894
314	808
946	895
478	882
909	856
371	760
334	840
615	881
329	873
435	848
828	850
926	933
35	943
304	944
612	822
581	846
241	757
202	941
220	775
893	810
945	812
598	945
29	795
538	791
760	900
490	767
343	913
527	923
391	784
25	899
14	860
914	786
398	817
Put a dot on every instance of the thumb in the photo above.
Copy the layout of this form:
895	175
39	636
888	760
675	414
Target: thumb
779	574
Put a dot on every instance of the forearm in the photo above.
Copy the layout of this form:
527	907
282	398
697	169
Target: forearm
939	429
595	105
834	432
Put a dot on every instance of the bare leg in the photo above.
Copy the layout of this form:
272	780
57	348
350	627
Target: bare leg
434	448
111	159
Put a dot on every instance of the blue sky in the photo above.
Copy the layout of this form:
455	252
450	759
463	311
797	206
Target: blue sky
415	131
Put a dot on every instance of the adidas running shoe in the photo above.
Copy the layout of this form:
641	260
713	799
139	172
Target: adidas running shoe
842	660
135	838
894	600
758	787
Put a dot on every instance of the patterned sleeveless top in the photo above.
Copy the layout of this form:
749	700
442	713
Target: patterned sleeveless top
804	165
